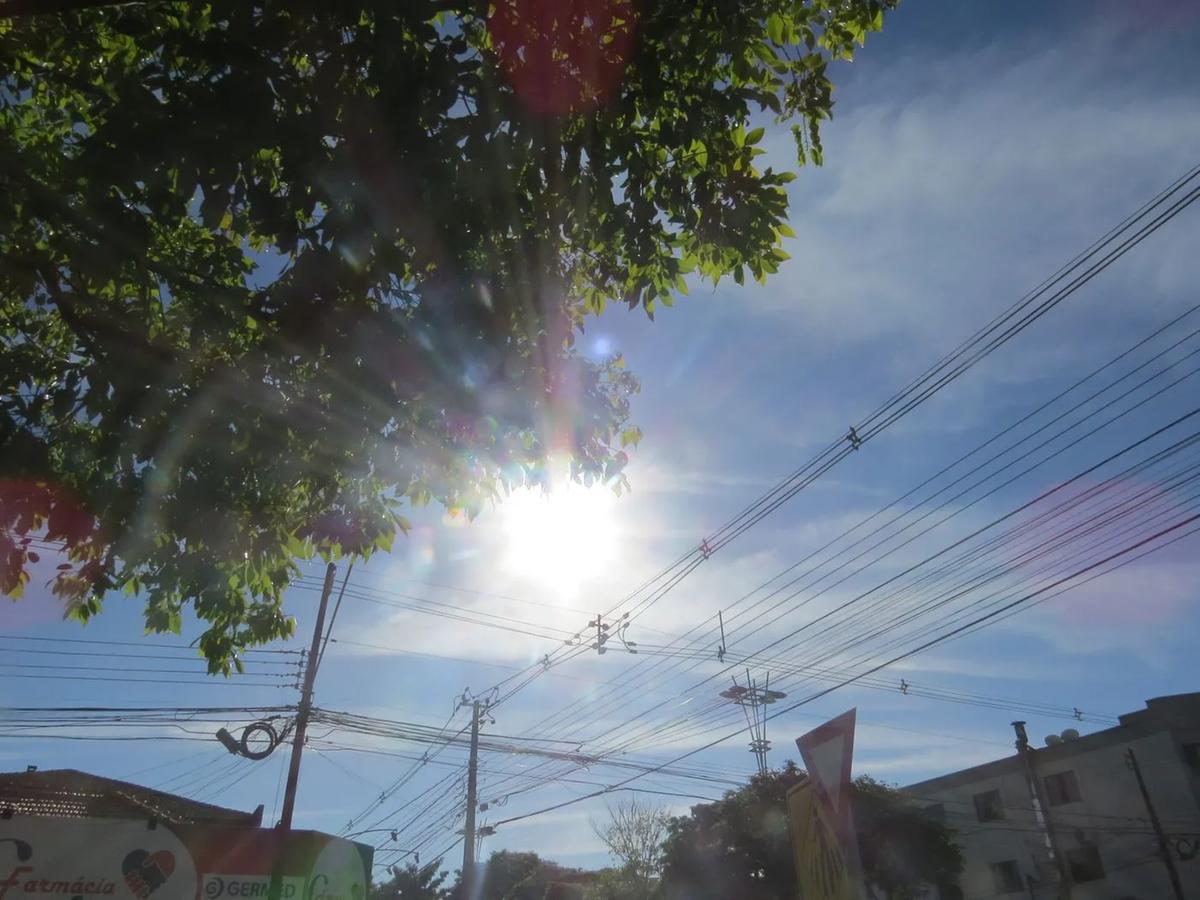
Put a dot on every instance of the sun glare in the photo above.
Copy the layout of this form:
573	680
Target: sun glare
561	537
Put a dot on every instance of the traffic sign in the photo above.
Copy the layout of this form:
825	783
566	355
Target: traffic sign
827	752
819	810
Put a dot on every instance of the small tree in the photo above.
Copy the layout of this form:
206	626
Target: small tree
634	835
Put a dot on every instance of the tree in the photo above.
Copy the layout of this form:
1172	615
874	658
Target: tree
901	846
413	882
740	845
275	271
512	875
634	835
505	870
618	884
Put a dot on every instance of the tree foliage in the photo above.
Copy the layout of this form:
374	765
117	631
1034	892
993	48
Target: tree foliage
275	271
740	845
513	875
413	882
619	884
504	871
901	846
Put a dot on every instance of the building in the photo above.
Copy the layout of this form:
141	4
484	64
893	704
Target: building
69	835
1073	810
71	794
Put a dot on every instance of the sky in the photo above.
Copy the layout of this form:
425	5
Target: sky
972	153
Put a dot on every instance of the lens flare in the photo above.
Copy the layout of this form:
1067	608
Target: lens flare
561	537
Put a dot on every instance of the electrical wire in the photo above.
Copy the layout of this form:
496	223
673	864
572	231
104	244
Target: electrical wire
1002	329
870	426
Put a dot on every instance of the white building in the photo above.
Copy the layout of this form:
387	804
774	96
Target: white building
1083	816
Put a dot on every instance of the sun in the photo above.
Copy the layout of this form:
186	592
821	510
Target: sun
560	537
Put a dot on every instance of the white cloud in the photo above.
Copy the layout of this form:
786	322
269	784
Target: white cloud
976	668
954	184
924	763
1141	610
562	835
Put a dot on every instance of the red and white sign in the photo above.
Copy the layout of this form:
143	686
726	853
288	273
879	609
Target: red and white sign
92	859
827	752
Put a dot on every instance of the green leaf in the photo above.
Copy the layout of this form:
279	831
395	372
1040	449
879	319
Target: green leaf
775	27
280	371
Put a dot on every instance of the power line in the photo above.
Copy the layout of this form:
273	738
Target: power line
826	639
129	669
744	658
1102	254
1187	526
825	691
141	644
869	427
109	654
156	681
458	614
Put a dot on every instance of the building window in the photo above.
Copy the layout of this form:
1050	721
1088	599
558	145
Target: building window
988	807
1062	788
1191	755
1085	864
1006	877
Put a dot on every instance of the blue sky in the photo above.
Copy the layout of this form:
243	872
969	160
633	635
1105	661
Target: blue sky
970	156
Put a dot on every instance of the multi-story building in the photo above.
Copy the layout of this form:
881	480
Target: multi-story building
1074	819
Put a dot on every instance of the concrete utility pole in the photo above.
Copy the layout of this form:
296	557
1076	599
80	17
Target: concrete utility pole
305	707
468	866
1163	846
1040	811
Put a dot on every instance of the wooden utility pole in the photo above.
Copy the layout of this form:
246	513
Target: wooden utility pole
302	712
468	866
1163	846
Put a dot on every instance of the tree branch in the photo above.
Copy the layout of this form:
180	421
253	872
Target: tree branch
14	9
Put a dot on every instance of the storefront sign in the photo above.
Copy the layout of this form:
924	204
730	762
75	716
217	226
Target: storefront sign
80	859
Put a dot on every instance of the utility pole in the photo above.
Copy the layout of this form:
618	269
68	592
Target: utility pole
472	802
305	707
1163	846
1040	811
468	866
